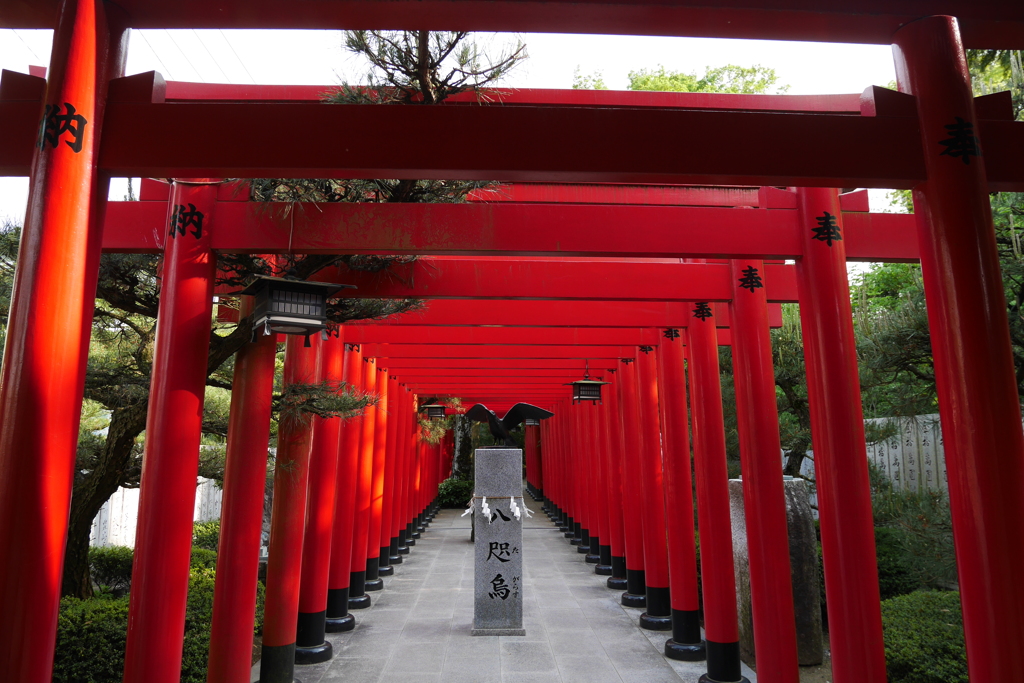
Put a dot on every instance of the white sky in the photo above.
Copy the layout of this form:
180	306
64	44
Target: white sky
317	58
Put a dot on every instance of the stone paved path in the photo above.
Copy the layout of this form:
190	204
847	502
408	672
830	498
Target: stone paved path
418	628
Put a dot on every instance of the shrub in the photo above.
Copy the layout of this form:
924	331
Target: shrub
894	576
924	638
203	558
91	633
90	640
111	566
198	619
454	493
206	534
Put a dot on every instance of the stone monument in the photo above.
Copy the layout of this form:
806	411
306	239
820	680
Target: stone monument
499	510
803	558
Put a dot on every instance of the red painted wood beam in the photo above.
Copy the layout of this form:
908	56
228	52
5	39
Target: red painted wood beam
413	373
493	351
582	314
567	144
512	229
512	278
184	91
596	145
616	193
395	365
984	23
416	334
485	380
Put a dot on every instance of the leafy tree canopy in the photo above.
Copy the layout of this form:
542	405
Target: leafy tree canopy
730	78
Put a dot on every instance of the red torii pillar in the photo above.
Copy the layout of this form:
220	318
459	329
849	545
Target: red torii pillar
549	439
241	514
599	548
357	597
658	616
597	501
568	526
405	414
530	455
311	646
415	476
612	460
685	643
338	619
48	335
632	494
711	472
585	471
395	405
837	429
577	480
974	370
380	416
174	421
284	566
407	441
764	504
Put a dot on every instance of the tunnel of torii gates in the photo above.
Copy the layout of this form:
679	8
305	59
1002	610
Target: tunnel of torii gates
933	137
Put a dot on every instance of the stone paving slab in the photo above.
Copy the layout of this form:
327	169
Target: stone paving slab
418	627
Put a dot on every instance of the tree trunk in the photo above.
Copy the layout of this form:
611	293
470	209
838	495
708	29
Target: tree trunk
93	489
794	461
464	453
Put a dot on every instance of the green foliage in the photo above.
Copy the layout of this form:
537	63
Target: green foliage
206	534
927	538
111	566
894	575
594	81
454	493
425	66
201	558
325	399
91	638
198	619
730	78
922	526
893	341
924	638
91	633
996	70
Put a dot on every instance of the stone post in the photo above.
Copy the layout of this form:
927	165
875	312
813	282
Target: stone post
498	602
803	558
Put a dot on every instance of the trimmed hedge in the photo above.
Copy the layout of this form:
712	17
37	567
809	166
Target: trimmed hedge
924	638
206	535
111	566
91	634
90	640
454	493
203	558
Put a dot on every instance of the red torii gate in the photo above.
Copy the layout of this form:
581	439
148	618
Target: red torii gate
968	321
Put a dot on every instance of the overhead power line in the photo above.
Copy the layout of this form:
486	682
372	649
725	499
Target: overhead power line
203	43
156	54
199	75
236	56
22	39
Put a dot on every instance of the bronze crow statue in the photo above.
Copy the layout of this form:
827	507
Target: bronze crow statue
513	418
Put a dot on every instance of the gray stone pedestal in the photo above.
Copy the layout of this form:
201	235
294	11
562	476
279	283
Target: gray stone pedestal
803	558
498	568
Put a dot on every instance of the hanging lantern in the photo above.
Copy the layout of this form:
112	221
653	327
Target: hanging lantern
586	389
290	306
435	411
